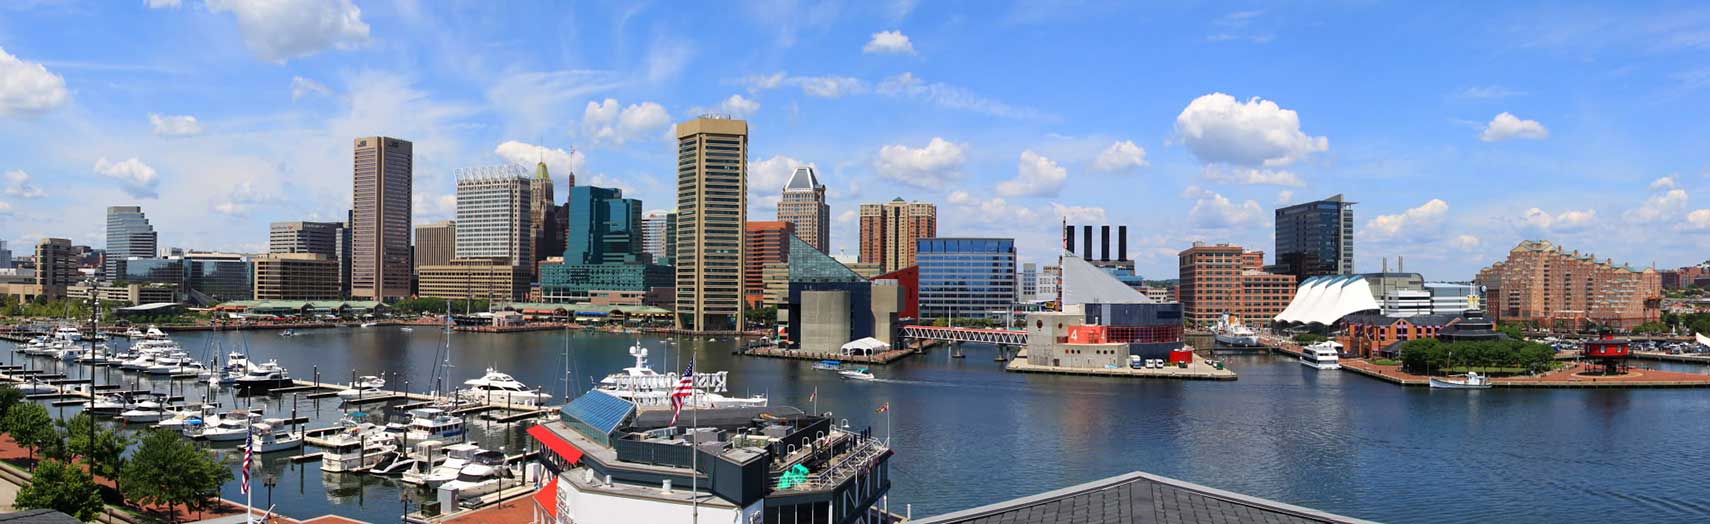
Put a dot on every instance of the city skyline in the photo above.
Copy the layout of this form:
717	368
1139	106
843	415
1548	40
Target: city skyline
1501	126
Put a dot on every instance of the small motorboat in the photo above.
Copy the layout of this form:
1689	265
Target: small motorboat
1472	380
857	374
145	411
408	329
370	324
289	333
37	387
394	463
829	365
107	405
365	386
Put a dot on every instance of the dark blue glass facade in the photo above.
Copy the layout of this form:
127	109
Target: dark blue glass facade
966	277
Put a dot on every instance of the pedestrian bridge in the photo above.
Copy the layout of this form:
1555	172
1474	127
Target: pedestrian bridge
1002	337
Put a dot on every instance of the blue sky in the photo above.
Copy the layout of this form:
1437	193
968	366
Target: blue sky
1459	129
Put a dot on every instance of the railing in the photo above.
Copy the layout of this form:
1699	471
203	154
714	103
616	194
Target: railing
857	459
955	334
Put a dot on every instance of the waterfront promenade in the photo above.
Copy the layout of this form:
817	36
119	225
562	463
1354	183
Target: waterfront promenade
1570	375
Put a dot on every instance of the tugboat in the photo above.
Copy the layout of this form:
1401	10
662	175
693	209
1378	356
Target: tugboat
1473	380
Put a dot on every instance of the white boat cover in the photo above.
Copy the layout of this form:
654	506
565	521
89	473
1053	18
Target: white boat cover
1084	283
1326	299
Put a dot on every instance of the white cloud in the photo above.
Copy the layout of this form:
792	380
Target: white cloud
1465	242
1285	197
1658	207
534	103
303	87
1035	176
848	216
1220	129
1213	211
428	207
1506	126
758	83
174	125
1666	182
1427	215
1120	156
162	4
27	88
18	185
830	86
950	97
5	207
990	212
136	178
1698	220
1251	176
242	198
736	106
560	163
1564	222
766	179
929	167
280	30
889	42
604	122
1079	214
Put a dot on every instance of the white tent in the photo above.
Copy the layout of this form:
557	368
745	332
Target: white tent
865	346
1084	283
1324	300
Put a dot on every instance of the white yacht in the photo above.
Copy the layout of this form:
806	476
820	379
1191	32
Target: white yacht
237	362
648	388
68	334
229	427
144	411
422	458
37	387
365	386
271	435
107	405
182	418
355	449
154	333
1323	355
1473	380
69	352
133	333
100	357
482	475
857	374
266	375
428	424
438	466
165	364
500	389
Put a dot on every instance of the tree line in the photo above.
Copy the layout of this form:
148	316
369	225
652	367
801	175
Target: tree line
1429	355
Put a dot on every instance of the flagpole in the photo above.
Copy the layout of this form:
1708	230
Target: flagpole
694	450
248	494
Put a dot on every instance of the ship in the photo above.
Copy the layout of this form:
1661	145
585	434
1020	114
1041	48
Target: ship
644	387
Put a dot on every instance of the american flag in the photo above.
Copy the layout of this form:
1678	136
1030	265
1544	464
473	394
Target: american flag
685	388
248	458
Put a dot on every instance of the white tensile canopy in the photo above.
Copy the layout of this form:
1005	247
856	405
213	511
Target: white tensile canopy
1326	299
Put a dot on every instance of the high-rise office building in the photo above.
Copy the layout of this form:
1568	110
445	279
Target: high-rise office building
436	243
712	202
211	278
966	277
542	216
605	252
766	242
656	235
889	232
380	222
5	256
1224	278
803	204
1315	238
493	215
56	268
304	237
128	235
345	234
296	276
1029	282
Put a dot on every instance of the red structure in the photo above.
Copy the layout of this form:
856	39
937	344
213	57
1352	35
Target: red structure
909	279
1611	353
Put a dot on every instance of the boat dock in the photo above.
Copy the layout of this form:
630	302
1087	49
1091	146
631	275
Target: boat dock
1199	369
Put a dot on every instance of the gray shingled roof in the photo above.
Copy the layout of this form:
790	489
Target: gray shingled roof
38	516
1138	498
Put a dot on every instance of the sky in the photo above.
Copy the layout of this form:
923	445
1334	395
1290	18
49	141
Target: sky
1460	129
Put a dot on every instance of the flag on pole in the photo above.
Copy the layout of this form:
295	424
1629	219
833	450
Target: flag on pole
815	395
685	388
248	458
883	408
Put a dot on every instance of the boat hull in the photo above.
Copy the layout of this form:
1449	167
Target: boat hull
1437	383
1320	365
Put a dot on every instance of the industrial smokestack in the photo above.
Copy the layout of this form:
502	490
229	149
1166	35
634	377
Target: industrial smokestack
1086	244
1400	265
1104	243
1122	243
1069	238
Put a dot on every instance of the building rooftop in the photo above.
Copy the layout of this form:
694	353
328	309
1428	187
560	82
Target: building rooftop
1137	498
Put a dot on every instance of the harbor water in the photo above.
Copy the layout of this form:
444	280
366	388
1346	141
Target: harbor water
967	433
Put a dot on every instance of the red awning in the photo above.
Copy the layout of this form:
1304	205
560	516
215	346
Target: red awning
547	497
555	443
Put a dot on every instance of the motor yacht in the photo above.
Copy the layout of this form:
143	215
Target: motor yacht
228	427
266	375
857	374
236	361
100	357
365	386
355	449
69	353
393	464
1235	334
37	387
68	334
272	435
133	333
165	364
107	405
1322	355
647	388
482	475
181	417
499	388
155	333
144	411
428	424
431	471
35	347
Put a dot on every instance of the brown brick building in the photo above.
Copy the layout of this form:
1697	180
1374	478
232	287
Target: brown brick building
1224	278
1544	284
765	242
888	232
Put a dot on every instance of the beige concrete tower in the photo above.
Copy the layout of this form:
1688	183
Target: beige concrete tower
712	202
803	204
380	239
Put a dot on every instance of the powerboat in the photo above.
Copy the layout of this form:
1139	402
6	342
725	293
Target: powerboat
144	411
355	449
230	427
370	324
68	334
499	388
857	374
267	375
408	329
270	435
133	333
181	418
237	362
443	469
69	353
423	457
154	333
365	386
107	405
829	365
37	387
289	333
393	464
1472	380
647	388
1322	355
100	357
482	475
164	365
428	424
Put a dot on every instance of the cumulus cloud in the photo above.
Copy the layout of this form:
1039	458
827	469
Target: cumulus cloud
303	87
1285	197
27	88
1564	222
735	106
605	122
889	42
1698	220
990	211
766	179
560	163
1506	126
1465	242
280	30
929	167
18	185
1251	176
1666	182
1035	175
242	198
174	125
1427	215
1658	207
1120	156
1078	214
136	178
1220	129
429	207
947	96
1214	211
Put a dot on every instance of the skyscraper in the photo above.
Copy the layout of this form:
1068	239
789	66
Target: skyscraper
764	243
543	218
604	252
56	268
128	235
304	237
380	223
712	199
494	218
344	248
966	277
889	232
1315	238
654	235
1029	282
803	204
436	243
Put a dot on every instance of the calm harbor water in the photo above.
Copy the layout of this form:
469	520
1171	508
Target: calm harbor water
967	433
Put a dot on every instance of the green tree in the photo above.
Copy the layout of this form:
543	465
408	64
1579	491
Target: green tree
165	470
30	426
104	453
61	487
1309	338
10	397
